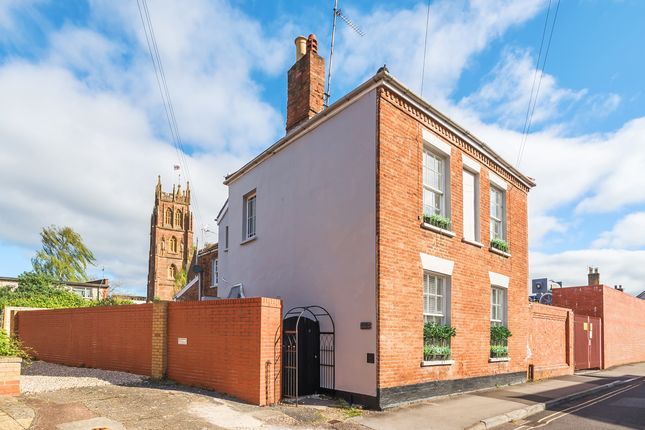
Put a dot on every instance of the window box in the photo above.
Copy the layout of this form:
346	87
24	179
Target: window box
499	244
437	229
430	363
436	341
498	252
499	335
437	220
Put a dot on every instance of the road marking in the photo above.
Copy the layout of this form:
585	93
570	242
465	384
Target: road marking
579	406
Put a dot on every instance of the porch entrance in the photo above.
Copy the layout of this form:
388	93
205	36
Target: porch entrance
308	352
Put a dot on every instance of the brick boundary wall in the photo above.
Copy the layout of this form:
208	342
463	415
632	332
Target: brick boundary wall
231	346
113	338
10	376
550	341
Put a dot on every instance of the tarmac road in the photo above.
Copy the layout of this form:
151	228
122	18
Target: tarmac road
622	407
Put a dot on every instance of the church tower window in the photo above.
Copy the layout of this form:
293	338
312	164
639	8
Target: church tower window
178	219
169	216
173	244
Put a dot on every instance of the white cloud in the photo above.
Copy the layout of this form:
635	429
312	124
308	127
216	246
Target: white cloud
505	96
616	267
457	31
628	233
80	136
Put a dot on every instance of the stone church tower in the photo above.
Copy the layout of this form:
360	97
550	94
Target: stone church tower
171	240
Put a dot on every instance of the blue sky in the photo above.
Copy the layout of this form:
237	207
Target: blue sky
78	93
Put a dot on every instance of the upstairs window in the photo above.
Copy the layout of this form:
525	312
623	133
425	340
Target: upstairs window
497	213
249	221
434	184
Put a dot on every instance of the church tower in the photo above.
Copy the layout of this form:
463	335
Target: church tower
171	240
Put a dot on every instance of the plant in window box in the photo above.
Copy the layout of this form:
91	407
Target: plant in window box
437	221
499	335
500	244
436	341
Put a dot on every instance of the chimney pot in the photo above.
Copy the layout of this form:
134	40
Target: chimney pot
301	47
312	44
593	277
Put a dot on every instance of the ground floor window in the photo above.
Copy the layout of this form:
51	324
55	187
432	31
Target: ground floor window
436	306
499	332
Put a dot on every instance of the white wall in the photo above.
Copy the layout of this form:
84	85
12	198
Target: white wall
316	233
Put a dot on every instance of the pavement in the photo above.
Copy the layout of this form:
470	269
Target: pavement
152	405
492	408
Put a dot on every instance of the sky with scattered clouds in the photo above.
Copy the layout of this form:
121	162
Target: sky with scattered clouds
84	135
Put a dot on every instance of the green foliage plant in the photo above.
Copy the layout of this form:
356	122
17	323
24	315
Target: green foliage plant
39	291
437	221
11	347
499	244
499	333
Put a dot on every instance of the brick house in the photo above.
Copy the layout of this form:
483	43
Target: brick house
382	210
203	276
91	290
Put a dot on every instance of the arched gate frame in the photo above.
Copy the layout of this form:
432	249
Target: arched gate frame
291	366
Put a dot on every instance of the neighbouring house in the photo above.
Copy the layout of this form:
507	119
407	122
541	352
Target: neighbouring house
387	214
641	295
171	241
90	290
621	318
203	276
137	300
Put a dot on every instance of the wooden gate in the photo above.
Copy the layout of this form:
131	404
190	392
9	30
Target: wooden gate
587	342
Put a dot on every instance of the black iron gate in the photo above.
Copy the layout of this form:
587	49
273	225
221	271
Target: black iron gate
308	352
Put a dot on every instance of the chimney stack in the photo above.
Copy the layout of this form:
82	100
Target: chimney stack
306	86
593	277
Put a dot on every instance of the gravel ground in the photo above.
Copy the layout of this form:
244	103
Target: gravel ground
40	377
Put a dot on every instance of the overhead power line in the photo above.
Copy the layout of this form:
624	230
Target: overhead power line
425	49
533	99
162	84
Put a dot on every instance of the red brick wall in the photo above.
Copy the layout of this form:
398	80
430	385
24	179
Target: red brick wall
401	239
228	346
623	328
115	337
551	341
583	300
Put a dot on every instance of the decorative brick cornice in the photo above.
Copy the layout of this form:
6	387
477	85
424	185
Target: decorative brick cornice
432	124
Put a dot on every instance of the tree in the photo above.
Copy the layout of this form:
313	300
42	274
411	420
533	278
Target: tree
64	256
181	278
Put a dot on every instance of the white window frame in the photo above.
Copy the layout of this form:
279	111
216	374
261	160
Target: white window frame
215	272
249	220
443	164
494	220
443	295
498	306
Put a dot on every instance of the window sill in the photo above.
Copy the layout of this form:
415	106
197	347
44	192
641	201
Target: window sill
499	359
472	242
436	229
437	363
249	240
213	286
499	252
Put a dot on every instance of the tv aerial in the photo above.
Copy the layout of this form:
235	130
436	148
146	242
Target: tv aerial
338	13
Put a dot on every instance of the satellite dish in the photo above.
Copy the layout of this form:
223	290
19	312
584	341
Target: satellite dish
546	299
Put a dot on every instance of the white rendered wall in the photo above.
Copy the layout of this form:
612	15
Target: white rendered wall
316	234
